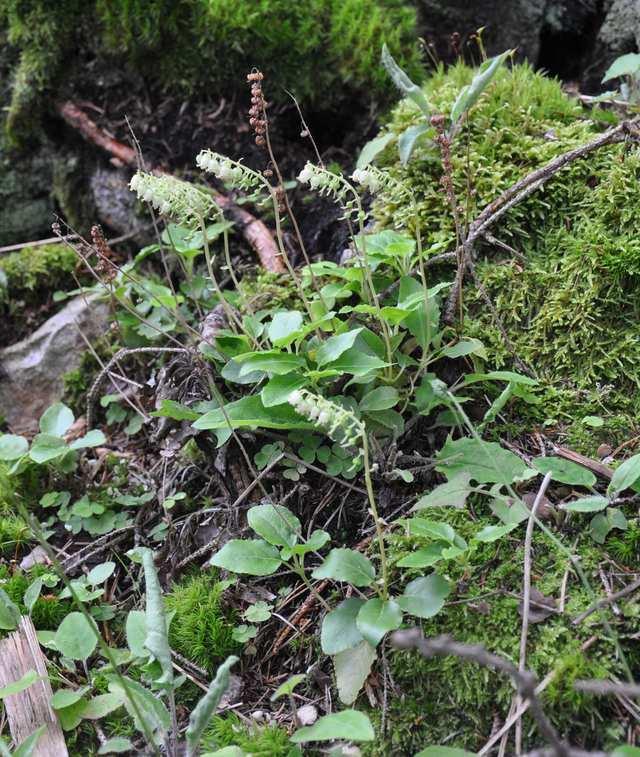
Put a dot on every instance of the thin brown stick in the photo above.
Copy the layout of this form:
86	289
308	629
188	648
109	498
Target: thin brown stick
634	586
526	596
525	187
607	688
525	681
511	719
120	354
600	469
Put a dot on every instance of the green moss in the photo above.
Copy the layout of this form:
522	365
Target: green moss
259	741
13	535
48	611
201	628
445	696
320	50
269	290
571	310
32	273
42	33
7	491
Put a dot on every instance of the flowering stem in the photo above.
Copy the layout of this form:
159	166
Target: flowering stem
231	316
369	278
376	517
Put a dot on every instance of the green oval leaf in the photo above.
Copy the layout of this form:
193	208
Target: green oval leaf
56	420
586	505
13	447
75	638
339	629
46	448
251	556
275	523
626	475
348	724
377	617
347	565
424	597
564	471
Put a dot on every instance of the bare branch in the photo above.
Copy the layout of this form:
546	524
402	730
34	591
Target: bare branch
524	680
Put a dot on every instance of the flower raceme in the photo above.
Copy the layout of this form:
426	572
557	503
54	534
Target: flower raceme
179	200
324	181
229	171
336	422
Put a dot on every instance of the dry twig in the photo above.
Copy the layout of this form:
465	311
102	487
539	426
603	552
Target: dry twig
524	680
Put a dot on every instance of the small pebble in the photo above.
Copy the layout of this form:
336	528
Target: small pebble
307	714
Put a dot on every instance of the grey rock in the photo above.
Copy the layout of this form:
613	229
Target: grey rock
508	23
31	370
26	206
116	205
620	32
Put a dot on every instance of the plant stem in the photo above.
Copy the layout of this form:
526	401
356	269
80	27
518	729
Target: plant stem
369	279
376	517
231	317
298	568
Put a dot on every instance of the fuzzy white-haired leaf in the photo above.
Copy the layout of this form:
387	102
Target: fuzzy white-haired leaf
157	638
206	707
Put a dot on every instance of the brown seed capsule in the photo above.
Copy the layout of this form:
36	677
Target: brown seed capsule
604	450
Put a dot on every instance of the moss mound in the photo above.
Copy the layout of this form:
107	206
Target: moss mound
445	696
319	50
33	273
201	627
572	309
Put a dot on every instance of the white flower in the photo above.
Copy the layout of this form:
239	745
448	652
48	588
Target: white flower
180	200
338	423
229	171
305	175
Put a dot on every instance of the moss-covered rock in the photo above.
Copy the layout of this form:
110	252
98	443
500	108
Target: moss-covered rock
32	273
447	700
321	50
571	310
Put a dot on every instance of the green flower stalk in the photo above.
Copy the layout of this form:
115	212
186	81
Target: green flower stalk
231	172
188	206
239	176
346	429
336	186
374	180
179	200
